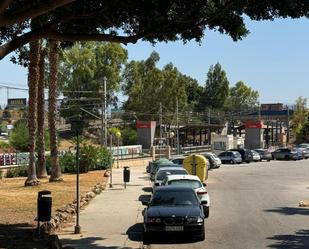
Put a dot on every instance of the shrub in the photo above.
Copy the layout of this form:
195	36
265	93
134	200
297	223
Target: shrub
129	136
104	159
4	145
67	162
20	171
91	158
88	158
20	136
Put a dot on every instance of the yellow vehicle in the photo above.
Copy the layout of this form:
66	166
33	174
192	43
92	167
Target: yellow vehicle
196	165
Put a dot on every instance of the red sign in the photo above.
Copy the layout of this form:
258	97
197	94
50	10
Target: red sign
254	124
143	124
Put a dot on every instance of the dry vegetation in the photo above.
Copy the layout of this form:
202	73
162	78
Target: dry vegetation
18	203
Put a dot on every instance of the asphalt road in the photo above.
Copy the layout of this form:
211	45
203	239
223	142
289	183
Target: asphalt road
255	206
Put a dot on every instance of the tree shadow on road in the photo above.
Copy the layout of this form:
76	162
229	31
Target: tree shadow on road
135	232
144	198
147	189
290	211
85	242
21	236
299	240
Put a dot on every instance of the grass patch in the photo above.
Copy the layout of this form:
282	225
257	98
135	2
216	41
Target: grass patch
18	204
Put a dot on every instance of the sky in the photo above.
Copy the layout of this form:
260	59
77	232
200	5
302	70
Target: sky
273	59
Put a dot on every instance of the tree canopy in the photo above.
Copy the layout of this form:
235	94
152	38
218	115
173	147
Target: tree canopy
216	89
82	71
147	86
241	97
128	21
300	117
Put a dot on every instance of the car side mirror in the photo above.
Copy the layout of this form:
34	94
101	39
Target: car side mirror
157	184
203	202
145	203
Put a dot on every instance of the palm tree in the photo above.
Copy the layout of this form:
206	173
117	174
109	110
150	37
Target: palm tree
53	71
32	84
41	167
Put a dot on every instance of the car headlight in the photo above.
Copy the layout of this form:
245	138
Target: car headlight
200	220
191	220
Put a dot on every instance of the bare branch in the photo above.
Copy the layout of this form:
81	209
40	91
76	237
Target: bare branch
4	4
26	14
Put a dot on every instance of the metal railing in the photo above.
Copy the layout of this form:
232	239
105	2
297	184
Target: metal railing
195	149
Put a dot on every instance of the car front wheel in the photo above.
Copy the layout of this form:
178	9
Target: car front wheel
206	211
201	236
146	238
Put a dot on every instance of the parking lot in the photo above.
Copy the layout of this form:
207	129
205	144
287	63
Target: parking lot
256	206
253	206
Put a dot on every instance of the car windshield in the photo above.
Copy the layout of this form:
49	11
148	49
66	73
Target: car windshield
235	154
186	182
178	161
162	174
174	198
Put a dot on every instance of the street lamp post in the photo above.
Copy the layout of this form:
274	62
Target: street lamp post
111	163
77	127
118	135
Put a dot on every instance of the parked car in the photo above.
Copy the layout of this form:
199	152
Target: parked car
285	154
256	156
163	172
174	209
193	182
303	145
153	164
299	153
264	154
231	157
246	154
178	160
305	153
214	160
304	150
159	163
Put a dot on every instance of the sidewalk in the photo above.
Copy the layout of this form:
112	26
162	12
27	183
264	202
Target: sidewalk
114	218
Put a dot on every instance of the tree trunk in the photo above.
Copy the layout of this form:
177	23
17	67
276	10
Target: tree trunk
32	83
41	167
53	71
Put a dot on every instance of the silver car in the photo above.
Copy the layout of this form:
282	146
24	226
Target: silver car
163	172
214	161
231	157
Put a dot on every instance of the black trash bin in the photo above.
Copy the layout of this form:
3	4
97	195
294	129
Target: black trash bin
126	175
44	206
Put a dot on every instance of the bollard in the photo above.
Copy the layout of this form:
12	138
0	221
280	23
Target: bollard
44	206
126	175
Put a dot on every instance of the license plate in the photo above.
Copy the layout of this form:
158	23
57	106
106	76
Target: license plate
174	228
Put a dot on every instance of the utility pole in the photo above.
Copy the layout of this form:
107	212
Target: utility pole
104	116
177	124
288	126
111	162
7	95
160	141
209	133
